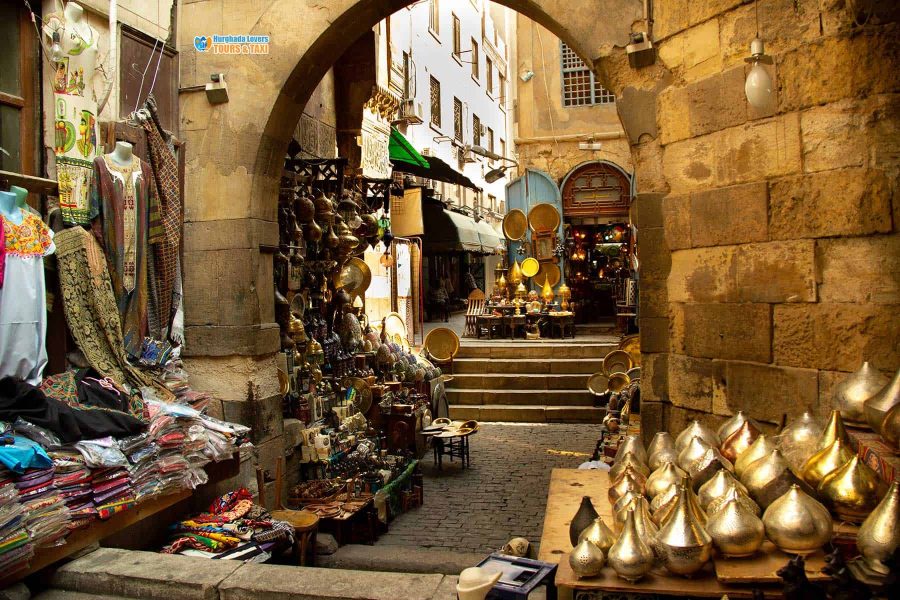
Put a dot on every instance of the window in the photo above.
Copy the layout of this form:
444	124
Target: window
489	74
501	92
18	97
457	45
435	102
490	139
492	202
476	130
474	59
502	148
579	87
434	17
407	82
457	119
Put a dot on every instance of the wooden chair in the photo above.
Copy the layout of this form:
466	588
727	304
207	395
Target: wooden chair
474	309
305	523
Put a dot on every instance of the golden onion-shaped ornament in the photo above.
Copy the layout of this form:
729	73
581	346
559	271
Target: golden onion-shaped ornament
835	430
633	444
769	478
630	557
738	442
663	498
599	534
797	523
662	479
878	405
731	425
890	427
760	448
695	429
628	482
825	461
852	491
800	440
683	545
733	493
628	458
666	510
661	450
851	394
586	560
692	451
879	535
736	531
704	468
633	472
643	521
625	501
716	487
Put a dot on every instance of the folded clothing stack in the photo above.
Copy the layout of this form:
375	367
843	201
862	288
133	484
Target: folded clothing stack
46	515
112	491
16	548
143	456
73	479
176	381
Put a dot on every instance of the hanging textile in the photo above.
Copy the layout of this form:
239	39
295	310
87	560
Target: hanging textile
165	178
90	306
125	215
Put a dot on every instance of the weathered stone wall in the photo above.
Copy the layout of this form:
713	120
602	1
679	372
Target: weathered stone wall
771	258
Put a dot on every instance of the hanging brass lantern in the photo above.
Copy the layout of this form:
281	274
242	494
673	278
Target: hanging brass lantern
879	535
825	461
761	447
739	441
661	450
515	273
797	523
565	294
852	491
683	545
716	487
662	479
878	405
735	530
851	394
630	557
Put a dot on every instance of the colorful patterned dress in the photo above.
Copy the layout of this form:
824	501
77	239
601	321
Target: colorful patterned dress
125	219
23	310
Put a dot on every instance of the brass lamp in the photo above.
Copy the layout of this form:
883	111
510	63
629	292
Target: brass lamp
565	294
547	292
515	273
521	294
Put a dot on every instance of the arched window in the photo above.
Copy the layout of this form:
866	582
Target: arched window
596	189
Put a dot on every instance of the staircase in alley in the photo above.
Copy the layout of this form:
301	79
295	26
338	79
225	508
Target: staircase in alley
524	382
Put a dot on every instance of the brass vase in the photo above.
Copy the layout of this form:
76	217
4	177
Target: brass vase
630	557
760	448
825	461
705	468
646	528
661	450
633	444
716	487
599	534
628	482
878	405
582	520
769	478
629	458
852	491
662	479
733	493
800	440
586	560
735	530
739	441
879	535
731	425
683	545
797	523
835	430
851	394
693	430
692	451
890	427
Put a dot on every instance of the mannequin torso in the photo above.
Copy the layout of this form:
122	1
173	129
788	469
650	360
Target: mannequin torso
9	208
122	154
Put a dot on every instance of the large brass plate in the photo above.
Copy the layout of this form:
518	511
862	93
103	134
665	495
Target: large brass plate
547	271
515	225
598	383
354	277
543	218
632	345
395	330
617	361
442	343
530	267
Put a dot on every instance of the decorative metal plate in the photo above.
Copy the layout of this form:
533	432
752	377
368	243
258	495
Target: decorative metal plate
530	267
442	343
354	276
617	361
548	271
543	218
515	225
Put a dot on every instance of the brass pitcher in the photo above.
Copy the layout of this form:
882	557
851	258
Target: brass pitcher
683	545
735	530
599	534
769	478
878	405
800	440
731	425
693	430
692	451
879	535
662	479
630	557
851	394
633	444
661	450
760	448
825	461
852	491
716	487
797	523
586	560
629	458
733	493
738	442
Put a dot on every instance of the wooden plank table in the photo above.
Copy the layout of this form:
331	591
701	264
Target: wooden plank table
567	487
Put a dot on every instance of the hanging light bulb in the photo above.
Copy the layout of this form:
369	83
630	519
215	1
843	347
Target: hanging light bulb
759	89
56	51
386	259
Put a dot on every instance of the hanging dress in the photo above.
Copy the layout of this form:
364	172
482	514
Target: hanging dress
23	309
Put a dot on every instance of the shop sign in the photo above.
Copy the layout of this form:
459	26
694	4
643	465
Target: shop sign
375	140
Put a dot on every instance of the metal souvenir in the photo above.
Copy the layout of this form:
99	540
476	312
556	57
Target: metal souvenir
769	478
665	511
442	343
662	479
661	450
630	557
632	345
624	461
694	450
731	425
890	427
549	271
617	361
851	394
852	491
634	373
362	397
683	545
628	482
598	383
586	560
797	523
734	493
879	535
716	487
735	530
643	520
515	225
761	447
394	330
599	534
696	429
618	381
582	520
825	461
799	440
625	501
662	499
633	444
354	276
878	405
543	218
835	429
704	468
530	267
739	441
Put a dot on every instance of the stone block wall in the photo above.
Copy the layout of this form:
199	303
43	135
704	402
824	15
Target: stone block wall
770	248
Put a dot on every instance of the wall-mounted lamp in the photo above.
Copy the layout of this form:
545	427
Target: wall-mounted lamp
759	87
217	89
526	75
591	145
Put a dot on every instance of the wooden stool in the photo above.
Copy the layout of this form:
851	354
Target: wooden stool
305	523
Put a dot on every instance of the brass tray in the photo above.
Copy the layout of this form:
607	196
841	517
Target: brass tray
530	267
633	373
515	225
363	399
548	271
632	345
617	361
442	343
354	277
394	328
598	383
543	218
618	381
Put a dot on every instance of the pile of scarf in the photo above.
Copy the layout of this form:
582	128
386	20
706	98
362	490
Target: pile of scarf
112	491
234	528
74	481
46	515
143	455
16	548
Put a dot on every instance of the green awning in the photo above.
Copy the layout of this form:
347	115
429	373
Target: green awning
401	150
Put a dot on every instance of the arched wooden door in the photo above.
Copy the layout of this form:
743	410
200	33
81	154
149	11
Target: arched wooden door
596	189
532	188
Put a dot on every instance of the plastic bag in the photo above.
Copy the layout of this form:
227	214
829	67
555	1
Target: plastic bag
44	437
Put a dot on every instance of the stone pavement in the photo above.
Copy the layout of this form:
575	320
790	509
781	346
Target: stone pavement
504	493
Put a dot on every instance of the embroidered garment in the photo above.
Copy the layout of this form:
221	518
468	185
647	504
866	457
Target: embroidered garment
90	306
23	313
125	219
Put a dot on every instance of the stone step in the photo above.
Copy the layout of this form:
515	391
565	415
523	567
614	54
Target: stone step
533	366
528	414
529	381
525	350
385	556
70	595
520	397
